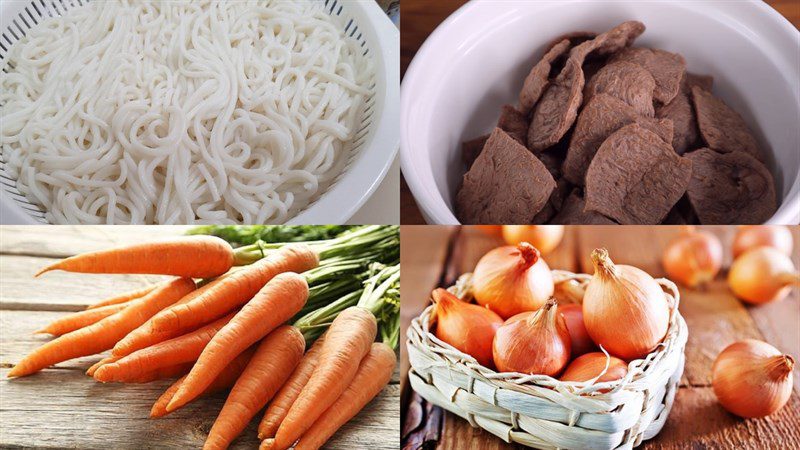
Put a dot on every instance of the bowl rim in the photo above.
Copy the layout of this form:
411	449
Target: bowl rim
430	201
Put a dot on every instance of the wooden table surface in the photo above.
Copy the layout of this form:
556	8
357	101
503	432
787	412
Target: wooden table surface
421	17
433	255
63	408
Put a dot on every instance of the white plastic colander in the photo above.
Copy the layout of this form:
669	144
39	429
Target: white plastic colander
371	152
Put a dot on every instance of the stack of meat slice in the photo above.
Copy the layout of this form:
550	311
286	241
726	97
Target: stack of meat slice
607	133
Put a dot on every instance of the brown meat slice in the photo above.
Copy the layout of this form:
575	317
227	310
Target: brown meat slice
722	128
574	212
574	38
681	112
471	149
601	117
703	81
506	185
558	107
636	177
538	77
730	188
554	203
514	123
626	81
667	69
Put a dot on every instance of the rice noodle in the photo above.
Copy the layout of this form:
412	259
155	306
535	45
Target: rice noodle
181	111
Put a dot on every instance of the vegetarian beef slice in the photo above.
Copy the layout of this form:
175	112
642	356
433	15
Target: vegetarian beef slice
506	184
667	69
514	123
681	112
471	149
730	188
626	81
538	78
558	107
722	128
573	212
601	117
636	177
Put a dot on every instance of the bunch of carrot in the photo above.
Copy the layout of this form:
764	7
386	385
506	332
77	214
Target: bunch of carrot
229	330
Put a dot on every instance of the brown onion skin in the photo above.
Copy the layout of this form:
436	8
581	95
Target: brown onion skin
533	343
752	236
752	378
508	282
544	237
624	309
467	327
588	366
693	258
762	275
580	340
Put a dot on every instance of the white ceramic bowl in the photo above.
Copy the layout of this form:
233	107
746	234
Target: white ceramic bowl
476	61
373	150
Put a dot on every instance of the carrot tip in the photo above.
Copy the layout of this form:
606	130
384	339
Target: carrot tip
46	269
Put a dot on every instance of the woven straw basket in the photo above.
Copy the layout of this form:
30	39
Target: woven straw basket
540	411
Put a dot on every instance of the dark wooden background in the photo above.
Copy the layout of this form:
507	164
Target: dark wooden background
431	255
418	20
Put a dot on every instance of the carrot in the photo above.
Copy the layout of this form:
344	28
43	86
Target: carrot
274	360
224	380
80	319
279	406
346	343
185	256
373	374
146	335
279	300
176	370
236	289
181	349
108	360
102	335
123	298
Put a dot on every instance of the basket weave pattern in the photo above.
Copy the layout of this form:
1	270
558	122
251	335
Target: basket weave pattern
540	411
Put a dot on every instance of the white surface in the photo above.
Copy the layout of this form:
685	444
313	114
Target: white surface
476	61
368	169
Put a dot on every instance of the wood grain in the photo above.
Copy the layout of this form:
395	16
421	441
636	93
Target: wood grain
61	407
714	317
421	17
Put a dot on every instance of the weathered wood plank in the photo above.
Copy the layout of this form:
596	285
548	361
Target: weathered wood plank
58	241
59	290
778	322
697	421
422	254
66	409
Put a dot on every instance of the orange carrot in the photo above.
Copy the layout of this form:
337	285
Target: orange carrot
279	406
124	298
279	300
347	341
373	374
80	319
177	350
176	370
102	335
146	335
274	360
108	360
185	256
236	289
224	380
